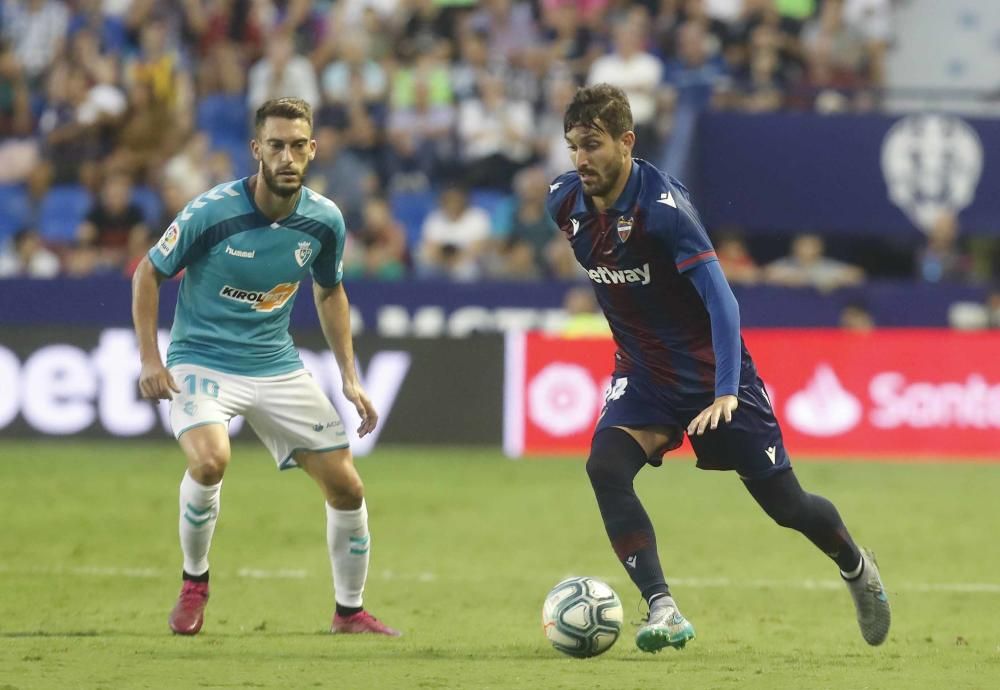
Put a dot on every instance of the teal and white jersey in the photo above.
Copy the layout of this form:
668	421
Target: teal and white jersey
241	273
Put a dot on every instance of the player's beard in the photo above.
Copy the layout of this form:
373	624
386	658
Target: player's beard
279	188
605	181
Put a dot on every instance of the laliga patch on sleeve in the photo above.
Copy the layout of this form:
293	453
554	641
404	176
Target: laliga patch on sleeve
169	239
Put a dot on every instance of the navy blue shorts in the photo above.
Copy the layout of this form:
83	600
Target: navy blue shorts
750	444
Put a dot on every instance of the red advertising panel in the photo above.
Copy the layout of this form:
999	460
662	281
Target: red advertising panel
903	393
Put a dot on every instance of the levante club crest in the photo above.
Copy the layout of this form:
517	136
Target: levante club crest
624	227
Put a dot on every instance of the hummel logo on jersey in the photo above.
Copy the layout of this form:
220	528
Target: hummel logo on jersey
553	187
770	453
576	225
668	199
631	560
609	276
243	254
275	298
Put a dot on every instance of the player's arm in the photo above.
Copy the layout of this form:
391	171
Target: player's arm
724	315
695	257
335	319
155	380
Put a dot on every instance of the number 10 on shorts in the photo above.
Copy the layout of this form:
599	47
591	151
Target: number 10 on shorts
208	386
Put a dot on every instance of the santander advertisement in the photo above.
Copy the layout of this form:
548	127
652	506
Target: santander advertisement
904	394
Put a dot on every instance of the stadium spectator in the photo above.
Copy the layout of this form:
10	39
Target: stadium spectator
550	144
104	236
569	40
639	73
737	264
836	56
354	74
282	72
524	229
420	137
453	237
584	318
146	138
856	317
806	266
18	149
942	260
37	30
696	75
993	307
510	26
25	256
341	175
188	169
71	150
495	135
873	20
379	244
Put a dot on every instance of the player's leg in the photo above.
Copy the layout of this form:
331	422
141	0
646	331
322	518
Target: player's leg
616	456
300	427
347	536
783	499
752	444
200	416
207	451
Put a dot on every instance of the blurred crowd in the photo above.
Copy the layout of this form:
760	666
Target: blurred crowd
439	123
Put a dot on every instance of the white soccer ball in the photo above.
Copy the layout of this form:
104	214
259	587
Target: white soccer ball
582	617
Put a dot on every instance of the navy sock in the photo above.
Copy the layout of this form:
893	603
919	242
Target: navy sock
615	459
782	497
345	611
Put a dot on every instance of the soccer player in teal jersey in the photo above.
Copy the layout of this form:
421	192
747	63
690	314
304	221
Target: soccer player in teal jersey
244	247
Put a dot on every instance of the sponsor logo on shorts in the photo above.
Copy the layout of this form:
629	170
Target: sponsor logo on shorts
272	299
319	426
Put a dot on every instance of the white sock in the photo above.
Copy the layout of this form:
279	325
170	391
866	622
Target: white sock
854	573
348	541
199	513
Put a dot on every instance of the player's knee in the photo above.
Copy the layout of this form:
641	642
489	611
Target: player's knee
209	465
346	494
790	512
614	459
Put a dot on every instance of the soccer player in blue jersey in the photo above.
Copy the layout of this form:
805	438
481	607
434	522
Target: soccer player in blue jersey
244	246
680	366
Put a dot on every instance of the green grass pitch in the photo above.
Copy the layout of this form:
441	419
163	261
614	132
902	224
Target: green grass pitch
465	546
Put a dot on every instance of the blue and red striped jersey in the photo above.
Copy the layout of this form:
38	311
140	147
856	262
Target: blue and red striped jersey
635	254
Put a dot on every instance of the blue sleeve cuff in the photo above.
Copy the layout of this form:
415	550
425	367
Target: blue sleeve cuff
724	314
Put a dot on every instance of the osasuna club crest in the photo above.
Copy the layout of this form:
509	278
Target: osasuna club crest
303	253
624	227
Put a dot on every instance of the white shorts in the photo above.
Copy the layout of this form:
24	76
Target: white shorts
288	412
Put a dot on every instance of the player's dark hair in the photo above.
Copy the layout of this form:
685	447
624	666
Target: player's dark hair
287	108
603	107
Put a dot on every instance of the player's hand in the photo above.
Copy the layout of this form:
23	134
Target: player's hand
721	409
358	397
156	383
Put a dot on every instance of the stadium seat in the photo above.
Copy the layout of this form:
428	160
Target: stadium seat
15	209
410	209
61	211
225	118
149	201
